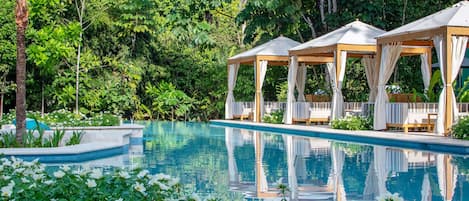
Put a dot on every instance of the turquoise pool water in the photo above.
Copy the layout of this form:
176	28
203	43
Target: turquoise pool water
234	164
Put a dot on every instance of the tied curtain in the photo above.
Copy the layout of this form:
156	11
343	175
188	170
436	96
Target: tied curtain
447	175
292	71
259	151
336	84
379	159
390	55
426	71
263	71
232	74
426	191
372	76
291	156
300	82
458	46
230	145
338	158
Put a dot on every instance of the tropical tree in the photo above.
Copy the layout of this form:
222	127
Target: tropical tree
21	12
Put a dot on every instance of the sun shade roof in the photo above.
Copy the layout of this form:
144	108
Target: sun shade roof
456	16
355	33
276	47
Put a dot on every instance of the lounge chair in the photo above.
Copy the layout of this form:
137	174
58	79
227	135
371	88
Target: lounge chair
411	115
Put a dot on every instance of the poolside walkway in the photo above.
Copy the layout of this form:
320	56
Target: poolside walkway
414	140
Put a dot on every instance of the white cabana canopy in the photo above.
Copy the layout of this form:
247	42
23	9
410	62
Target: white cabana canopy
274	53
448	32
355	39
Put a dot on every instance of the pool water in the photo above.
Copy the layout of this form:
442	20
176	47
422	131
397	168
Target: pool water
235	164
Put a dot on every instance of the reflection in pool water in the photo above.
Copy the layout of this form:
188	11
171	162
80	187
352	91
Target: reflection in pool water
235	164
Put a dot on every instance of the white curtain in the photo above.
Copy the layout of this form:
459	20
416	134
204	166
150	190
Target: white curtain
263	71
372	74
443	168
291	155
332	78
379	158
230	145
338	157
232	74
426	71
426	191
259	149
292	71
389	56
337	97
459	44
300	82
371	190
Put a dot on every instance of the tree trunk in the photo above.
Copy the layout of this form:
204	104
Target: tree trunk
81	12
42	100
1	105
321	10
310	24
21	24
334	6
329	7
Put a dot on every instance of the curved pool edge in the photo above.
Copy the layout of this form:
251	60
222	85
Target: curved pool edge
97	143
421	142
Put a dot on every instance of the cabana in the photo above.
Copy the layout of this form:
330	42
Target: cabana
272	53
448	32
355	40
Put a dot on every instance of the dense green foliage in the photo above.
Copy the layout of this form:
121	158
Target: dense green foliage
22	180
61	118
276	117
165	59
353	123
461	129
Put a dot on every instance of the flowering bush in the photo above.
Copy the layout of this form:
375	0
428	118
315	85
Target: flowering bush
390	197
461	129
62	118
21	180
353	123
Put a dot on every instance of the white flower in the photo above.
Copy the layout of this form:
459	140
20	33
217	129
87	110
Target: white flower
37	176
24	180
6	191
90	183
34	185
96	173
389	196
163	186
173	182
140	188
124	174
195	197
4	177
120	199
48	182
65	168
142	173
162	177
59	174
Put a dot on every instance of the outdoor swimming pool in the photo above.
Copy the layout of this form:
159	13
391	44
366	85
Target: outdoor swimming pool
232	164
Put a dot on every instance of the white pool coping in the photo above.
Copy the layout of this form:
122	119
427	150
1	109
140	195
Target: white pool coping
95	139
411	137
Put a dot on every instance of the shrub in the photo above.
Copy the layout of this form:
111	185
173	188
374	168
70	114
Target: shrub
76	138
461	129
276	117
60	118
22	180
353	123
